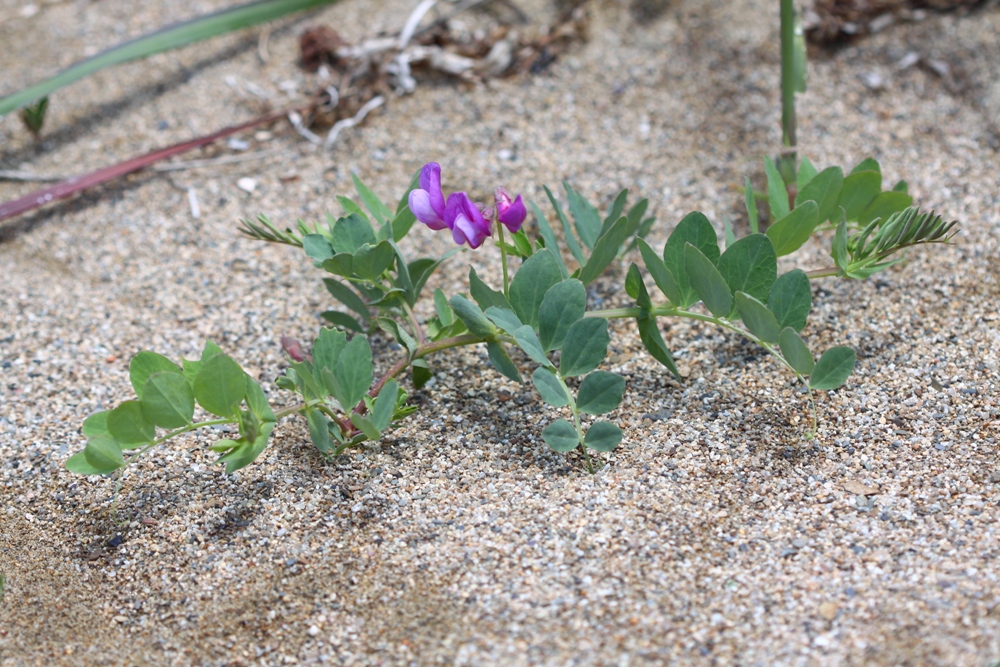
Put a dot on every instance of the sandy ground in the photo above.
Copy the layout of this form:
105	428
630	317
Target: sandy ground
461	539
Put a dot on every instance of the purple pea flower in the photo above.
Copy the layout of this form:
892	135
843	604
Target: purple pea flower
459	214
510	213
466	221
427	203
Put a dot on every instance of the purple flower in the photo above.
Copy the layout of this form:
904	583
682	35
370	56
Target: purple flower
510	213
466	222
427	203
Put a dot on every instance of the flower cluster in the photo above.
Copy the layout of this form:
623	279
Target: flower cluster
468	221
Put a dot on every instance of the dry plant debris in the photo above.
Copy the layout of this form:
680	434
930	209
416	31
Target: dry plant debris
836	20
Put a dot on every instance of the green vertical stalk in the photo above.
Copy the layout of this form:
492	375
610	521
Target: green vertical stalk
788	163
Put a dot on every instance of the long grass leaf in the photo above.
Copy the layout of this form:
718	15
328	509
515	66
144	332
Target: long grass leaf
169	37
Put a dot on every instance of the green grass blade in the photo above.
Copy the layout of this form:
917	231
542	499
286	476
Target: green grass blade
170	37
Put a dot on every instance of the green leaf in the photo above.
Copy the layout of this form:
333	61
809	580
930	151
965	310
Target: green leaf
351	232
901	186
347	296
868	164
840	254
191	368
571	242
247	452
563	305
600	392
319	430
603	436
327	348
708	283
751	205
317	247
128	426
342	320
504	318
220	386
102	454
392	328
351	206
730	234
758	319
616	211
167	400
366	426
484	295
444	312
791	232
420	372
807	172
538	273
858	191
341	264
795	351
528	341
310	381
560	436
420	270
698	231
501	361
664	280
606	250
402	224
385	405
833	368
824	189
170	37
522	243
777	194
636	288
750	266
884	205
354	372
472	316
790	299
257	402
370	261
381	212
585	217
77	464
649	334
549	388
548	236
585	347
145	364
96	424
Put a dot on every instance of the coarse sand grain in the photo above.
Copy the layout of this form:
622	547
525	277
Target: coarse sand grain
712	535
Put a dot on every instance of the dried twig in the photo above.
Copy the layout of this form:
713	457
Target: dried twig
371	104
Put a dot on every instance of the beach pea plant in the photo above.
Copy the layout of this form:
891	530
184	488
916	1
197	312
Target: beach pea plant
540	309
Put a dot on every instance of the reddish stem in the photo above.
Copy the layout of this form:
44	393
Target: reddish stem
77	184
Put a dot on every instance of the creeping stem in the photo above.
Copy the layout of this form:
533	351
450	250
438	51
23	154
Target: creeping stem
671	311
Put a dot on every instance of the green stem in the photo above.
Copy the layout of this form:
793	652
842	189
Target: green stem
788	120
503	261
576	422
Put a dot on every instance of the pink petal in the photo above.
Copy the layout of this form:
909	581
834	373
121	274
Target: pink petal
422	206
513	215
